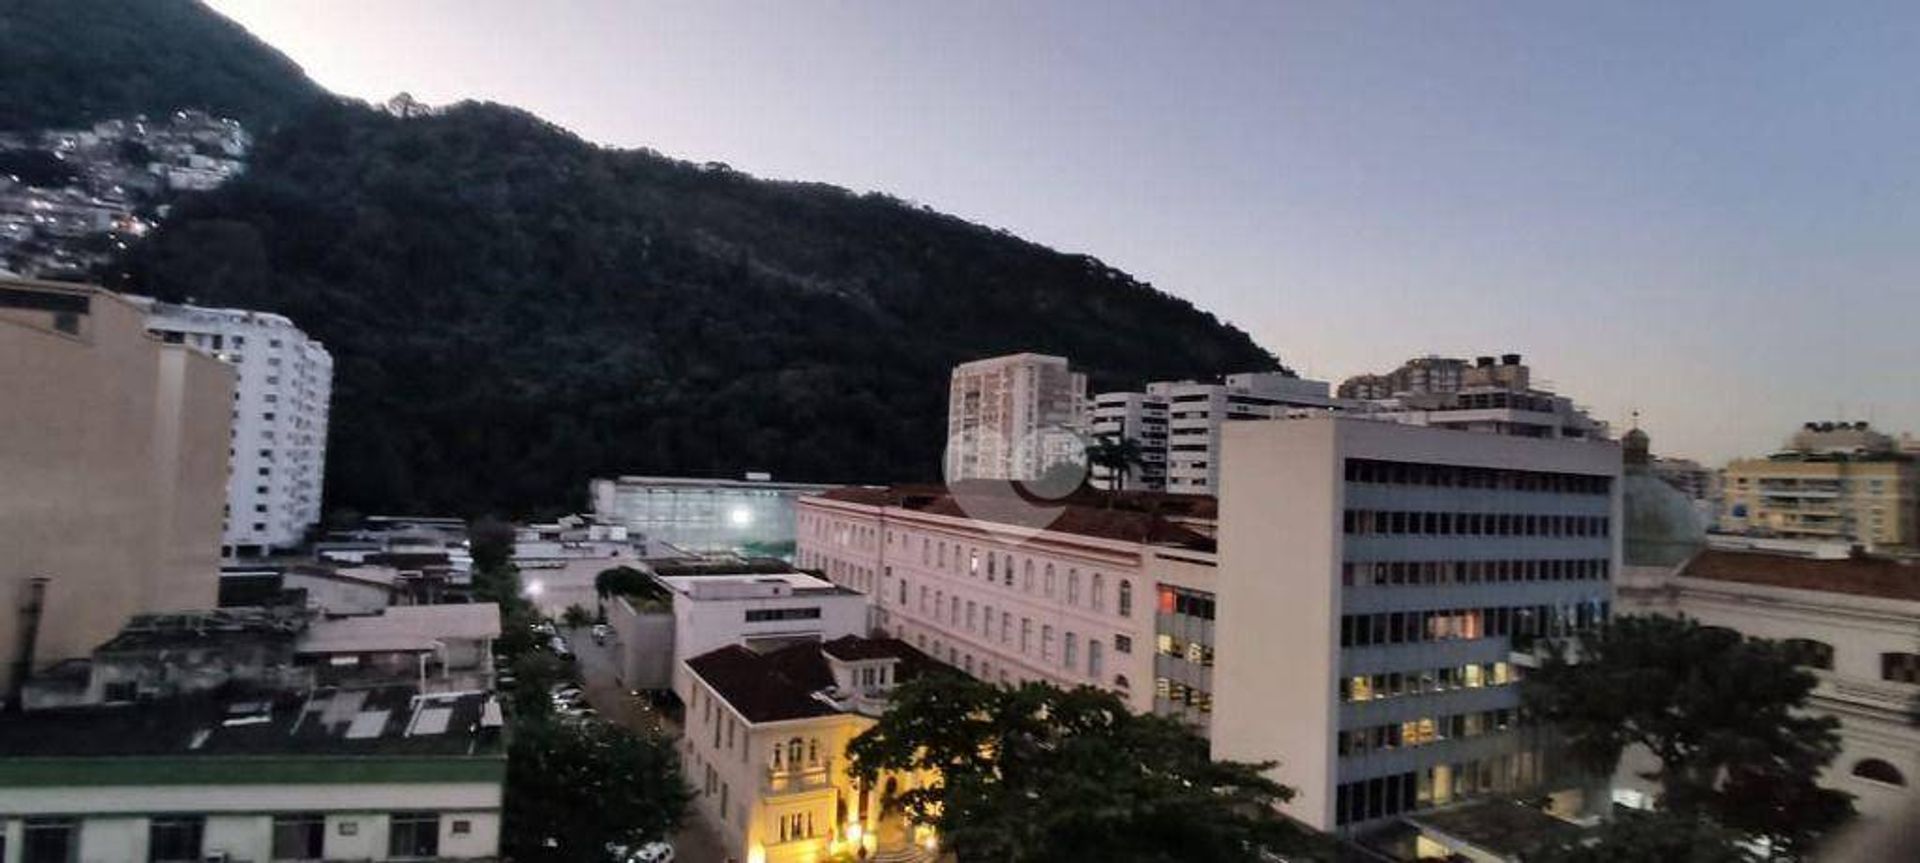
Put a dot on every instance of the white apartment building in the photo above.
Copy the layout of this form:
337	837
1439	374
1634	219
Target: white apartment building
1141	418
1198	411
1013	416
1374	581
1119	598
277	458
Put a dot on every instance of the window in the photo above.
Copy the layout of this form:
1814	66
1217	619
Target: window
761	615
50	840
1026	577
1026	633
1879	771
1126	598
1047	583
1809	653
413	834
1046	641
1096	664
1070	651
173	838
1073	587
1099	593
1900	667
1122	644
299	837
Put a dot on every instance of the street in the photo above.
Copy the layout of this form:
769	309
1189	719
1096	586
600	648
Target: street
697	842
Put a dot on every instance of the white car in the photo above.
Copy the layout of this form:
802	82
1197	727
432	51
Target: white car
652	852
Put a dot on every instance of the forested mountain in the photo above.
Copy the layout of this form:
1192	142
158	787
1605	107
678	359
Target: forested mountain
67	62
513	310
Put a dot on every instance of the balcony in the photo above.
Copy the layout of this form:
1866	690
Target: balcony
793	780
1893	696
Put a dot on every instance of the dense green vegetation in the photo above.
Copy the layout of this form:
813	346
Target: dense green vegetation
1039	773
1725	717
513	311
68	62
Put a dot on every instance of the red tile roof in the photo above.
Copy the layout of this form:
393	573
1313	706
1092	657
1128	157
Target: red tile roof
1859	576
1131	516
779	685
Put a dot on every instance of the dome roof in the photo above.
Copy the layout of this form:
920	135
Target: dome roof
1662	526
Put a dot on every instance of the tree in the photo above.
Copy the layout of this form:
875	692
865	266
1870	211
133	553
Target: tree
1042	773
576	616
490	541
619	580
574	787
1724	715
1119	455
1646	837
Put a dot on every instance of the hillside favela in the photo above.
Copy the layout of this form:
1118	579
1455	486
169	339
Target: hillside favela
897	432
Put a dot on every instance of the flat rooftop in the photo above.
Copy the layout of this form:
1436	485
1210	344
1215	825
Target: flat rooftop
378	721
403	628
1879	577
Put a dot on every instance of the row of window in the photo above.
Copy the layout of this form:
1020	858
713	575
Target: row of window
1367	522
1423	731
1453	476
1393	684
1438	785
1191	603
762	615
1439	572
1407	627
983	625
1175	693
182	838
1191	650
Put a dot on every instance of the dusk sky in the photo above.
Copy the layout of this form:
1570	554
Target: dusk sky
1710	214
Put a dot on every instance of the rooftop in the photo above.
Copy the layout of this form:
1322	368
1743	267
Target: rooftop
380	721
1880	577
1502	827
403	628
1134	516
780	685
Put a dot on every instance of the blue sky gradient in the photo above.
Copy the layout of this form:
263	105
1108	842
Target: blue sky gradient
1708	212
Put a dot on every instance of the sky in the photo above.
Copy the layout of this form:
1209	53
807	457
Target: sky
1708	213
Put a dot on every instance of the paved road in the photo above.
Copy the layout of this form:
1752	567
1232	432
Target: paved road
697	841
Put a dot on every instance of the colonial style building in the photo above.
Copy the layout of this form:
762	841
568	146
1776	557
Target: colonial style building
1083	591
765	749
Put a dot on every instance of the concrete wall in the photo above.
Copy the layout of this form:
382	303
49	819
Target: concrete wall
643	645
114	820
114	450
705	625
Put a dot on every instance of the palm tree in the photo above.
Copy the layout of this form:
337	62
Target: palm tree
1120	456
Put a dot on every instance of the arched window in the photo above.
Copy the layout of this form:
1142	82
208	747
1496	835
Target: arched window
813	751
1126	598
1073	587
793	753
1879	771
1120	681
1099	592
1809	653
1026	576
1047	581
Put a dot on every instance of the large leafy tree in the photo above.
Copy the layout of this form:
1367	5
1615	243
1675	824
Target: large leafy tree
1041	773
573	788
1724	715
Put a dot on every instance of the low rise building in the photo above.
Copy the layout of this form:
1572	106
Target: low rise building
765	743
691	606
336	774
667	516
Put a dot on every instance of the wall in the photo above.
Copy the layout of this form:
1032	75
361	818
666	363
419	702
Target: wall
702	626
643	645
114	451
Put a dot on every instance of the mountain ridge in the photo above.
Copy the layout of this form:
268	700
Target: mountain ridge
513	310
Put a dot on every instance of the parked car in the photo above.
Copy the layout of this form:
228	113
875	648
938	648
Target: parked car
652	852
600	633
560	647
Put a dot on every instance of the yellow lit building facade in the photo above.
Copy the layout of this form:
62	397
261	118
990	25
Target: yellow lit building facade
1833	481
